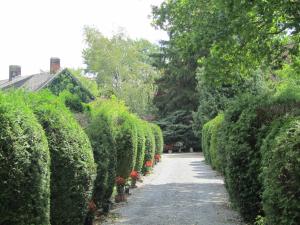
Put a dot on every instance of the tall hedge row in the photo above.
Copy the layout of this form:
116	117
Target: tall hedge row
141	142
24	165
159	140
100	131
119	141
281	172
237	145
149	145
72	161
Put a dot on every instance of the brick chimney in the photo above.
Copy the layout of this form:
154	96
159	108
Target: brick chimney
14	71
54	65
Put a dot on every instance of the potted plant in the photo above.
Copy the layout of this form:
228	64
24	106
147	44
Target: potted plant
120	183
157	158
134	175
147	167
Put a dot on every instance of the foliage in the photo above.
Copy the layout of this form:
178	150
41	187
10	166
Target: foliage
89	83
122	67
24	165
238	146
159	140
126	140
281	171
141	144
210	142
65	81
101	134
72	161
177	127
149	146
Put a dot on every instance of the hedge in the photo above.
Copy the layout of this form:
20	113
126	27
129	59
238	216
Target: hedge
159	140
126	140
281	172
150	144
24	165
210	142
238	146
141	145
104	148
72	161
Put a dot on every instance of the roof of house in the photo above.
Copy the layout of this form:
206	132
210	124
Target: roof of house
33	82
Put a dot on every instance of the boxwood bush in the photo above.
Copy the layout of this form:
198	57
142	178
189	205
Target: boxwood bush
210	142
24	165
281	172
127	142
238	147
72	161
150	144
141	142
101	133
159	140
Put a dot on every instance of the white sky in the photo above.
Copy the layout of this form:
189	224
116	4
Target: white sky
34	30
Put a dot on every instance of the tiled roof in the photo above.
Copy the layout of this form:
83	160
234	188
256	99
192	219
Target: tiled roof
33	82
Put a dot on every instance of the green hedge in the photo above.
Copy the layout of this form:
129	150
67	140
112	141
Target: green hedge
141	141
72	161
159	140
210	142
236	143
150	144
24	165
281	172
127	142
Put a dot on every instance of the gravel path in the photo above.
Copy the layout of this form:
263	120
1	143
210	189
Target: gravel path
183	190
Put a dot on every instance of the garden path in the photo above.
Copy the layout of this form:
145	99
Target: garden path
183	190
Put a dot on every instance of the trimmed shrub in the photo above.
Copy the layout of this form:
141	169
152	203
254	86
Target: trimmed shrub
210	142
126	140
141	145
281	172
150	144
159	140
24	165
206	136
101	134
72	161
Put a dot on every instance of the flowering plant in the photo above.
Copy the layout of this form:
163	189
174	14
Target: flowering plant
134	174
120	181
148	164
157	157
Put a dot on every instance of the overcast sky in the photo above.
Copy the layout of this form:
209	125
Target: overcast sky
34	30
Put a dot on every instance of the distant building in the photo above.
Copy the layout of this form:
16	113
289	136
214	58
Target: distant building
57	80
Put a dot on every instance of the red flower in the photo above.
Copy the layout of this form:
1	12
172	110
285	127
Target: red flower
134	174
157	157
148	164
120	181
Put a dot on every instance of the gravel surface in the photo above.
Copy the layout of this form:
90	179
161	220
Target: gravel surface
183	190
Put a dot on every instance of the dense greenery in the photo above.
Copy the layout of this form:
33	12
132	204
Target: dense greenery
210	142
239	152
122	67
126	139
177	128
65	81
159	140
141	145
149	145
24	165
72	161
119	142
101	133
281	172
